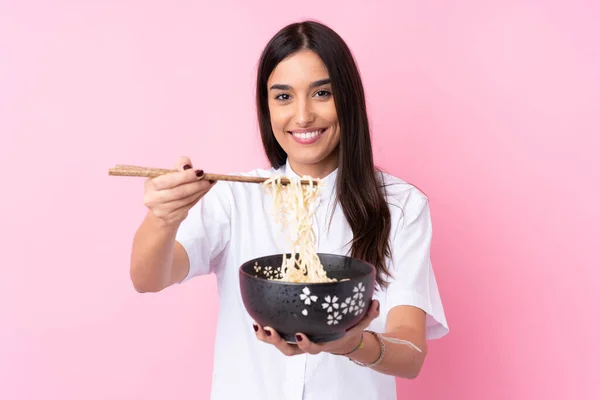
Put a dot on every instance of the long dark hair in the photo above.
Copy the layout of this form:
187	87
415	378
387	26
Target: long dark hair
360	193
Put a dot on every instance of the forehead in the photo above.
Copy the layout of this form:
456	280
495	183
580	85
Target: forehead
299	69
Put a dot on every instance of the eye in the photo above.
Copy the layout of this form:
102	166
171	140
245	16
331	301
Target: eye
323	93
282	97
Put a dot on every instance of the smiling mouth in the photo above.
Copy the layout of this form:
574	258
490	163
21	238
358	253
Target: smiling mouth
308	135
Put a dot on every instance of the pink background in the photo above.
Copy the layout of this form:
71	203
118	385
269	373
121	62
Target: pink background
491	107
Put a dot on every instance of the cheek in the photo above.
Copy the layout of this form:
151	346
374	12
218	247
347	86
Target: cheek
330	114
278	120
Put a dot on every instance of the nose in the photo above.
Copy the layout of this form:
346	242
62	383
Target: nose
304	113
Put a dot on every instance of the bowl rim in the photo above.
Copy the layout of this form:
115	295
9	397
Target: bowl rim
278	282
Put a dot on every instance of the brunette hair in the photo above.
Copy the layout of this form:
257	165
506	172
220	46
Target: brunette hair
358	189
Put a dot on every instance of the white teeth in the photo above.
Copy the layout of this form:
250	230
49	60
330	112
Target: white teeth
307	135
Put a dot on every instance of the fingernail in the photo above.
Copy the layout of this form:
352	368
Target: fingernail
199	173
255	327
187	166
268	332
298	338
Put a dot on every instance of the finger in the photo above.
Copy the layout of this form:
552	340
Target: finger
306	345
175	206
173	179
374	309
188	200
272	337
260	333
183	163
371	315
181	192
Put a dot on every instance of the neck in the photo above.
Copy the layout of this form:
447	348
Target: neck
317	170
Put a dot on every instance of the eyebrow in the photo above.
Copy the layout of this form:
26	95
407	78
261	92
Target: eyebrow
320	82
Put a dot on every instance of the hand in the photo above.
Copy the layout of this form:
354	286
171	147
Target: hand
340	346
170	197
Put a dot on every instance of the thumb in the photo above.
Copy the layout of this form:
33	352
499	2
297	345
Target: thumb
183	163
371	315
373	311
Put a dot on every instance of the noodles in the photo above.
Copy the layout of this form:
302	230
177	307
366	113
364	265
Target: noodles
294	208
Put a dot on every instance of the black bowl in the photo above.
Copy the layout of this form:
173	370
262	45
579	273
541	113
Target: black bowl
322	311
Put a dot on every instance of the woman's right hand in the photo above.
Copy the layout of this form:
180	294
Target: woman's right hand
169	197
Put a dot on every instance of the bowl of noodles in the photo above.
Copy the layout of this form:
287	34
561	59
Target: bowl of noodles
300	290
323	309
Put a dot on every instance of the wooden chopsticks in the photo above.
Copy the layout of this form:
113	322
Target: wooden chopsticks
134	170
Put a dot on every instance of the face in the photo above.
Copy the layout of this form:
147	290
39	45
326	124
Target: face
303	115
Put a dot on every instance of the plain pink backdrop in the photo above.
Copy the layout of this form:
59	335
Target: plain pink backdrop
491	107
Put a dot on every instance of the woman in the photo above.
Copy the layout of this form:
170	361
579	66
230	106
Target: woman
313	121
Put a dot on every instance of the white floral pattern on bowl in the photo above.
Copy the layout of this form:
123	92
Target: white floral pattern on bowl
307	297
334	318
348	305
359	291
330	303
336	311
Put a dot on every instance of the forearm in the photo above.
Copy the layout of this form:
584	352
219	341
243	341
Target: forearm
399	359
152	255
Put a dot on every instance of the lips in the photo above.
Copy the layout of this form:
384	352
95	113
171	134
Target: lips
307	136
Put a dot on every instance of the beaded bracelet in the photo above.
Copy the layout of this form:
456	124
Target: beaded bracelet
376	362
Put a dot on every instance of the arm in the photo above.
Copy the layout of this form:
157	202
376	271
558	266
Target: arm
401	360
415	311
406	323
157	259
412	307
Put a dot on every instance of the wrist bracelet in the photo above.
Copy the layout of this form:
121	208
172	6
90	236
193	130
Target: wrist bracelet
380	358
359	346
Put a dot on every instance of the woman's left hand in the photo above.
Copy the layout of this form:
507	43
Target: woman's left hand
347	343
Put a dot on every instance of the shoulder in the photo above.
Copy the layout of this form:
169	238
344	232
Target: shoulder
404	199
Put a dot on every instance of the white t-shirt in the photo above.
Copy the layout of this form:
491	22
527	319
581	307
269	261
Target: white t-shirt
233	223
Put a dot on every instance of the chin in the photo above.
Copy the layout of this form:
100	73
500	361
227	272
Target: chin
307	159
307	156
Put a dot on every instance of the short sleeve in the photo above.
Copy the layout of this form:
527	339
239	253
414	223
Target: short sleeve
413	281
205	233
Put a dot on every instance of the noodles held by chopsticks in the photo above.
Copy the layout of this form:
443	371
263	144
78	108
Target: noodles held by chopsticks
294	206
